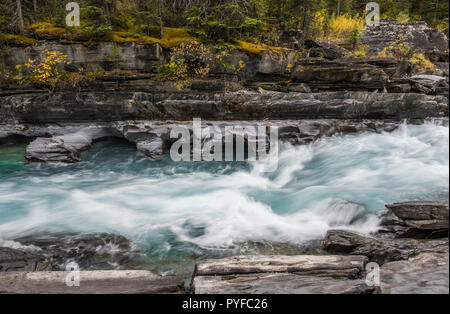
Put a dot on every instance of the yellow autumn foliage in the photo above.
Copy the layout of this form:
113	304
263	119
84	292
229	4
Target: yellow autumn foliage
341	26
46	70
421	62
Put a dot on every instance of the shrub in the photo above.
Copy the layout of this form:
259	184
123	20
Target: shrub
96	31
404	52
343	26
359	52
197	58
403	17
399	50
173	70
47	71
188	60
420	62
113	59
5	75
77	79
354	37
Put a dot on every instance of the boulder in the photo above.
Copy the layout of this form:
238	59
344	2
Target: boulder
91	282
416	219
341	75
383	251
65	148
380	250
152	148
430	83
324	49
51	150
342	241
147	139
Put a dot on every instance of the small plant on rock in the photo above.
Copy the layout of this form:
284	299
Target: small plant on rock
188	60
47	71
421	63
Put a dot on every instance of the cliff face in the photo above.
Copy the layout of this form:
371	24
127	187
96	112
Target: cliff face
315	82
111	106
136	57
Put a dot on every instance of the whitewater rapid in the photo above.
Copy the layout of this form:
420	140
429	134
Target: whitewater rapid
336	182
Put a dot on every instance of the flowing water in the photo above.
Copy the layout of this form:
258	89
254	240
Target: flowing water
178	212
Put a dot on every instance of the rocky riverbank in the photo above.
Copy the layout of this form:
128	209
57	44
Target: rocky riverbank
341	93
65	142
322	93
411	249
318	81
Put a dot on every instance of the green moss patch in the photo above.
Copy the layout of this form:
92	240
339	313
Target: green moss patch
16	40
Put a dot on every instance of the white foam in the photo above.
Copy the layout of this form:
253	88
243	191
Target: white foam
337	182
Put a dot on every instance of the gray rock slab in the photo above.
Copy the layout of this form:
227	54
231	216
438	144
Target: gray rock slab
340	266
91	282
277	283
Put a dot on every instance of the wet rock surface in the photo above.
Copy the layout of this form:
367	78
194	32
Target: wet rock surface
420	219
66	142
38	265
90	251
380	250
18	260
412	247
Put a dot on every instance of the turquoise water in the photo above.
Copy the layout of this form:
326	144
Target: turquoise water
178	212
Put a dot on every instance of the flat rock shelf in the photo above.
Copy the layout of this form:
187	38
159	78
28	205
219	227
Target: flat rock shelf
91	282
302	274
